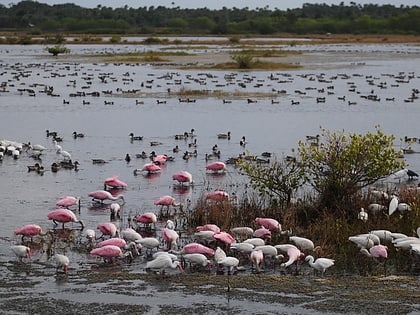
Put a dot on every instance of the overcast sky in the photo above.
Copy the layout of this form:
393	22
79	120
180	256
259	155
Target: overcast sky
216	4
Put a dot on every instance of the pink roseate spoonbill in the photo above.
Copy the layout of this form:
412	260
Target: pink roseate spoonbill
379	252
114	182
64	216
224	237
147	218
102	195
171	237
121	243
62	261
109	253
163	262
148	168
183	178
166	201
208	227
160	159
198	248
262	233
217	195
216	167
108	228
29	230
257	258
21	251
269	223
68	201
294	255
115	209
197	260
320	264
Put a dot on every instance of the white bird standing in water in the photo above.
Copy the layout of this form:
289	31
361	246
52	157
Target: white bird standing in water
163	262
62	261
21	251
321	264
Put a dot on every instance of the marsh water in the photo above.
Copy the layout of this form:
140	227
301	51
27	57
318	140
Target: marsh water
144	102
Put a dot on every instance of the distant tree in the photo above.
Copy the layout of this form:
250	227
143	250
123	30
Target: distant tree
338	166
244	60
58	49
276	180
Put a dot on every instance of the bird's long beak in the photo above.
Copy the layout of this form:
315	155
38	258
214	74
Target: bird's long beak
180	268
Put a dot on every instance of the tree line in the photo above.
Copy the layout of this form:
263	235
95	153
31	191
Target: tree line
39	18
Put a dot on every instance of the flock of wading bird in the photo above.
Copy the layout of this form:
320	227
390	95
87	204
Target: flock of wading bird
159	246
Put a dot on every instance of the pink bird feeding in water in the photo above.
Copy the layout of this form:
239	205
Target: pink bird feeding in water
166	201
183	178
208	227
294	254
263	233
102	195
148	168
68	201
160	159
171	237
271	224
108	228
146	218
197	248
224	237
216	167
109	253
217	195
114	182
64	216
116	241
379	252
29	230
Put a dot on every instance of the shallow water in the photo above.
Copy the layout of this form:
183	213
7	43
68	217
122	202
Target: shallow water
28	197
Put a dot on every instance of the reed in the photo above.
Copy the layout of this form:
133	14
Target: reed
327	229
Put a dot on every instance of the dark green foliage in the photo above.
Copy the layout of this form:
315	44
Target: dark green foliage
58	49
310	19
